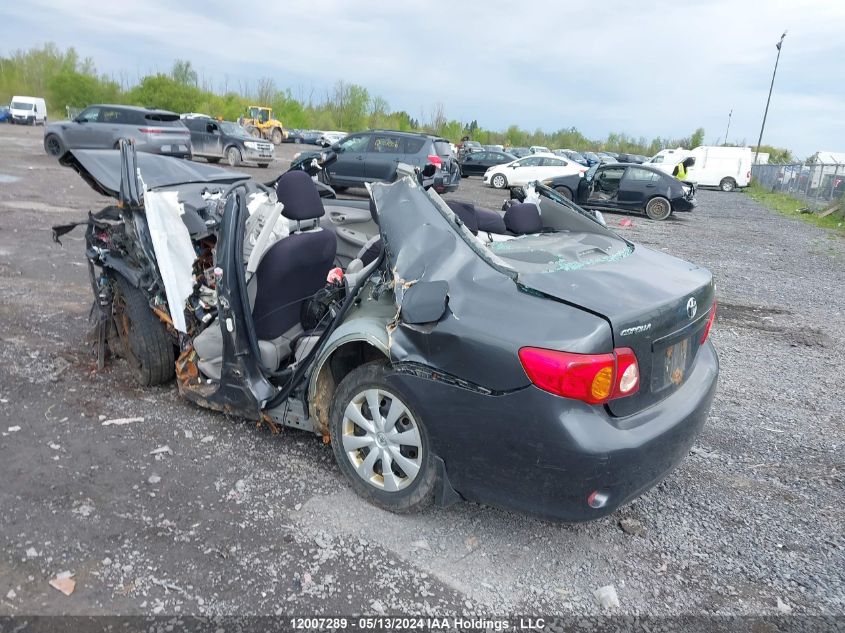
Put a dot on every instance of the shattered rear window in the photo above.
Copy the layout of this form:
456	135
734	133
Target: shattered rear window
551	252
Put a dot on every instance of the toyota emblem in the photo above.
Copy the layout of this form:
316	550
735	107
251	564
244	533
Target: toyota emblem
692	307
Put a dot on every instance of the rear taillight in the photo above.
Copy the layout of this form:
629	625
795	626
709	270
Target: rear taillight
592	378
162	130
709	325
435	160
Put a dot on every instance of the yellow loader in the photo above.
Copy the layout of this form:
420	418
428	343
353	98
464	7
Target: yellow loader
260	123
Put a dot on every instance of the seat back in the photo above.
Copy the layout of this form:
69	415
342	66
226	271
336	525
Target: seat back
523	218
295	267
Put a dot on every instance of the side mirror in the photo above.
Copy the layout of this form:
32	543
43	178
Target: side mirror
78	120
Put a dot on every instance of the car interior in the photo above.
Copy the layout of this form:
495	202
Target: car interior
287	266
605	185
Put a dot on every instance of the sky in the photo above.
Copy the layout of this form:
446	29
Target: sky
646	68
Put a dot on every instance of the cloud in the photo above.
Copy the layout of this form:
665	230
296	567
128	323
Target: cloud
658	68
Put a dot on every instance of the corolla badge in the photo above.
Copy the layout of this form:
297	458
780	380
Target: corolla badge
637	329
692	307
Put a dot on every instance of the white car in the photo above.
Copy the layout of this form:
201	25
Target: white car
327	139
530	168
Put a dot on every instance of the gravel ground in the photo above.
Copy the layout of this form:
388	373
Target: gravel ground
231	520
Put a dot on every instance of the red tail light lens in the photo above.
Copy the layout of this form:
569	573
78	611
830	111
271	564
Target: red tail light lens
435	160
709	325
163	130
592	378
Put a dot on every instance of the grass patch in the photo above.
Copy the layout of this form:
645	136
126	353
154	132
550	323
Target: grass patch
788	206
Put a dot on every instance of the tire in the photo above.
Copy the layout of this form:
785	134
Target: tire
353	444
233	156
658	208
499	181
727	184
213	161
146	344
564	191
276	137
254	131
53	145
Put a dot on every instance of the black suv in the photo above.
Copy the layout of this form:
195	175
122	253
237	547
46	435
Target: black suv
213	140
372	156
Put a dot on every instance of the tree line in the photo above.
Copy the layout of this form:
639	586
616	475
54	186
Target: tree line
64	79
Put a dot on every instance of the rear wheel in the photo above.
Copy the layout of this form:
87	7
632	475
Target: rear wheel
564	191
658	208
53	145
254	131
380	443
146	344
499	181
276	136
233	156
727	184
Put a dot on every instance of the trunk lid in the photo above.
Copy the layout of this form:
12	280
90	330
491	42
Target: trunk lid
656	304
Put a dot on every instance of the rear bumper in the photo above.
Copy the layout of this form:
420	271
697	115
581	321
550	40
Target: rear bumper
177	149
683	205
534	452
447	182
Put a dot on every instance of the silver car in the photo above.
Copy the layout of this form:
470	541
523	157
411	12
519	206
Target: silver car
103	126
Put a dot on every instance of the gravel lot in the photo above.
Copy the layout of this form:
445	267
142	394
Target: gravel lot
233	520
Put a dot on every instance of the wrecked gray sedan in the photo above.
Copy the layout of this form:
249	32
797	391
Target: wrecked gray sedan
534	360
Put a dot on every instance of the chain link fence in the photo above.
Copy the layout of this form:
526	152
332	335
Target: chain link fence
818	184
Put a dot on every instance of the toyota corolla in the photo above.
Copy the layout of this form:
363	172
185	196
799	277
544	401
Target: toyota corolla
533	360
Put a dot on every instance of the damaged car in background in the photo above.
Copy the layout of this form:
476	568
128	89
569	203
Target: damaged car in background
533	360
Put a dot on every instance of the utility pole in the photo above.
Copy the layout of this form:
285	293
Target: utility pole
766	112
729	126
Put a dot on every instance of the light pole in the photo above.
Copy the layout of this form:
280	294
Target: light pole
729	126
762	127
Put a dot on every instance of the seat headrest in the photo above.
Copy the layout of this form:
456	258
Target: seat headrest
523	218
466	212
297	192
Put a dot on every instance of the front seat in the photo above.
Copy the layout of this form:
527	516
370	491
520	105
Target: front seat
295	267
292	270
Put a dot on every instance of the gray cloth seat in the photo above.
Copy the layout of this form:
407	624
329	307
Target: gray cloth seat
290	272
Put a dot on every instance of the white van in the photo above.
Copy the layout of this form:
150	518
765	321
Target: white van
666	159
725	167
28	110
